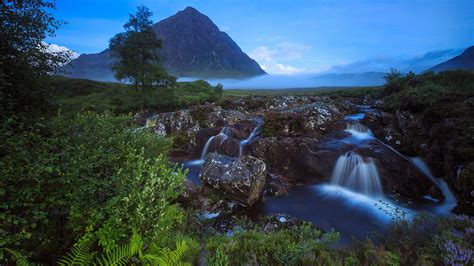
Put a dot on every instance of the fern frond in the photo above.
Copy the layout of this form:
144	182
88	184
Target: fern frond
80	254
136	244
169	257
19	258
117	256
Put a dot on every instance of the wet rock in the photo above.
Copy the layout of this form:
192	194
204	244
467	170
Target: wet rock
298	160
238	179
140	117
229	147
311	119
175	122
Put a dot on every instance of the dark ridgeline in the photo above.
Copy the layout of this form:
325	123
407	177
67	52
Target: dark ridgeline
464	61
193	46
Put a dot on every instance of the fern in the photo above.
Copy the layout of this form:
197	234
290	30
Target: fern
167	257
19	259
80	254
117	256
123	254
219	258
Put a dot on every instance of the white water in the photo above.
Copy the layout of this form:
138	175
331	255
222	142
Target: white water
353	172
223	135
359	131
357	174
449	199
249	138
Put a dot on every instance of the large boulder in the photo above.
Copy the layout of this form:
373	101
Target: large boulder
241	180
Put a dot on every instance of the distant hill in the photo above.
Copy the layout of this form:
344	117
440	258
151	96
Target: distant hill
464	61
193	46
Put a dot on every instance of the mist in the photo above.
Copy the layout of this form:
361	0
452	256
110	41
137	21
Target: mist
300	81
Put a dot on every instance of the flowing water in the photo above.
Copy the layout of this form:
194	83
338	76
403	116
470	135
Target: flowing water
352	202
221	137
358	174
255	132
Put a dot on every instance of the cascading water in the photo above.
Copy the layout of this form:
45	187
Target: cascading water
358	174
223	135
358	130
252	135
449	198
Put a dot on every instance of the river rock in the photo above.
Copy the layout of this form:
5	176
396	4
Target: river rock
241	180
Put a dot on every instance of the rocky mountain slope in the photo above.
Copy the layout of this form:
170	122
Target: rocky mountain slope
193	46
465	61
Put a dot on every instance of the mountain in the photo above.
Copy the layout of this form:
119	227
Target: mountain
465	61
193	46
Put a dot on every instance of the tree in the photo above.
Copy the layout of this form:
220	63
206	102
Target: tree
135	51
25	59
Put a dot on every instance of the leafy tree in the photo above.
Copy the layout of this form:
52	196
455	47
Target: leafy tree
25	59
135	51
219	89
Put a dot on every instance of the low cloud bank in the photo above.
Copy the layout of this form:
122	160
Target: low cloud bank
301	81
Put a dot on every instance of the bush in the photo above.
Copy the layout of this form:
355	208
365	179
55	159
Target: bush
58	177
301	245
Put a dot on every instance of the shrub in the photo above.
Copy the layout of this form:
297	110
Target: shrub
302	244
58	177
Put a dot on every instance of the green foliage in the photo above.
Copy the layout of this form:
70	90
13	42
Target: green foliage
416	93
219	258
82	252
76	95
25	60
277	124
135	52
300	245
59	176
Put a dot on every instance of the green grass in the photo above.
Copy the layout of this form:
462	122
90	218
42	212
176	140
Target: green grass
318	91
79	95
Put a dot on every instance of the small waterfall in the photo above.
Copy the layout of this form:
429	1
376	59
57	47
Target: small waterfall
359	131
449	198
252	135
353	172
225	133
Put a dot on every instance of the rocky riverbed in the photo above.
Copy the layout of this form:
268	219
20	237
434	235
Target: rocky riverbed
279	154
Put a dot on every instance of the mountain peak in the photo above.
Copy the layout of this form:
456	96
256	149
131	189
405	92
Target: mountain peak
193	46
190	9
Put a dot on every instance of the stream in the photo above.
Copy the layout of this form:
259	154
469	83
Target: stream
351	201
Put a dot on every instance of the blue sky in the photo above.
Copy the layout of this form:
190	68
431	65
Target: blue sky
292	37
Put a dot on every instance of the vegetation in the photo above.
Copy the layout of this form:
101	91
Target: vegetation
78	95
80	184
48	170
318	91
135	51
25	59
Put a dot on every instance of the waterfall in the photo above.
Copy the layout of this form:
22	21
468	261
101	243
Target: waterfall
353	172
252	135
358	130
449	198
223	135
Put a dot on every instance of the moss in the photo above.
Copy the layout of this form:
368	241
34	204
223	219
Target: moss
283	124
200	114
180	141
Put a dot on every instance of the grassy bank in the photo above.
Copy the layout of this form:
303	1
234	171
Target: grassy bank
79	95
317	91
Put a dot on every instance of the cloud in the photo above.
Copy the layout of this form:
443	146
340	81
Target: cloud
384	64
274	59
